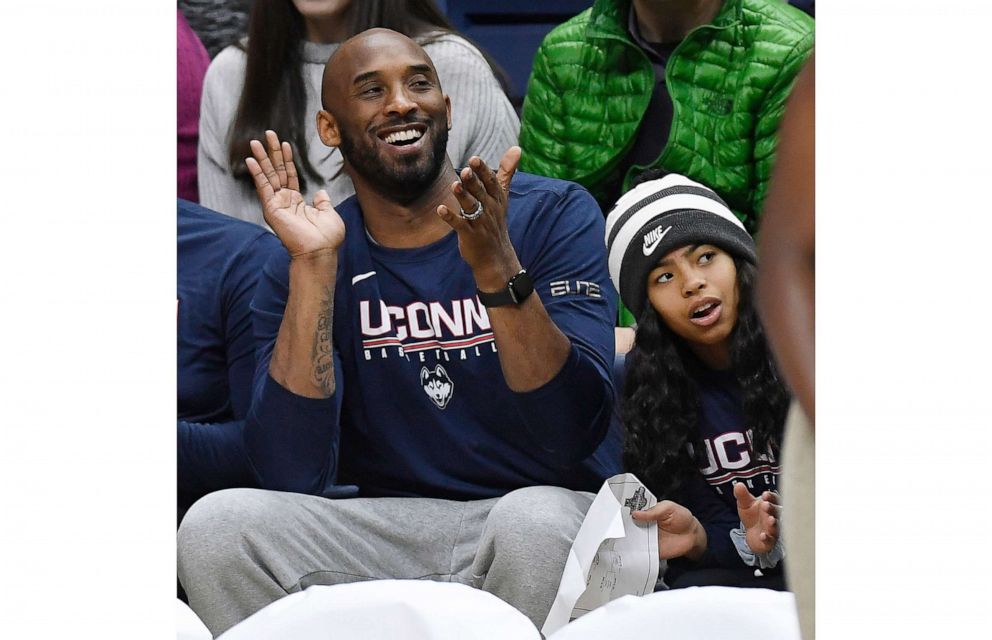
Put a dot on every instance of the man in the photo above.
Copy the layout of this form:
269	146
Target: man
219	260
474	325
695	87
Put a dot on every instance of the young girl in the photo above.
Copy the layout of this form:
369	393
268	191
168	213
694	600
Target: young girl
703	406
272	80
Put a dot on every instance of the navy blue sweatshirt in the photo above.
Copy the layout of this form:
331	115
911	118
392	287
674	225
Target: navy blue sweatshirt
425	410
219	260
730	458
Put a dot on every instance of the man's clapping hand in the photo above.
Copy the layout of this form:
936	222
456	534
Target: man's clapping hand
305	230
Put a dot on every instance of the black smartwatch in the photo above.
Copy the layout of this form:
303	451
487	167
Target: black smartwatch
517	289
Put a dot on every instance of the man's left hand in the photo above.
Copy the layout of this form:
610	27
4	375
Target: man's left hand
485	242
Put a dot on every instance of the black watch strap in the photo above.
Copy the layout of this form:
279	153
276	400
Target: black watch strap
517	289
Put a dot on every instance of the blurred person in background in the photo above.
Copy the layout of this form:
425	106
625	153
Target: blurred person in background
273	81
786	288
217	23
191	65
219	260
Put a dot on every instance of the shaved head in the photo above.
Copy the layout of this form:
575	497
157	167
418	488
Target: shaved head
348	63
384	108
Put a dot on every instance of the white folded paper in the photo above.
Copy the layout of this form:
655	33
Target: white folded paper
612	555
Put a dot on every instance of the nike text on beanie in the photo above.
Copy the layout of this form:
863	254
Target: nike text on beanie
658	216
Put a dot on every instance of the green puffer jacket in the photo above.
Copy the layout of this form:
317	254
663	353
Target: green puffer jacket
728	80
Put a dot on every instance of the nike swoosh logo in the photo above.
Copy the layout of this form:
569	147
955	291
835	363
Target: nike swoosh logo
649	248
361	277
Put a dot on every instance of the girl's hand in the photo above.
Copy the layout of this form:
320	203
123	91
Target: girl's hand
759	516
679	532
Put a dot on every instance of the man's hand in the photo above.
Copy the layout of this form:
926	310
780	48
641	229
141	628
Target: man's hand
679	532
532	349
759	516
485	242
304	229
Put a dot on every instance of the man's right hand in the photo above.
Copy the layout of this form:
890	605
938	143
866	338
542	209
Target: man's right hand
305	230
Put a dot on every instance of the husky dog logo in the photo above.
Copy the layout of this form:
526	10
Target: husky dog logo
437	385
637	501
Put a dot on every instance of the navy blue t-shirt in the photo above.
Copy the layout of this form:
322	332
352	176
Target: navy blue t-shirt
219	260
425	408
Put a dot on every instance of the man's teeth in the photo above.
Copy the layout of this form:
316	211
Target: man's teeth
402	136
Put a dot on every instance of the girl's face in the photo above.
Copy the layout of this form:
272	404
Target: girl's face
320	8
325	20
694	290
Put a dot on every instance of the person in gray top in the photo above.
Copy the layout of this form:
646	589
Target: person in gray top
217	23
272	81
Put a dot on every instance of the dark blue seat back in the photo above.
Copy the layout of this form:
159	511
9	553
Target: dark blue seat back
511	31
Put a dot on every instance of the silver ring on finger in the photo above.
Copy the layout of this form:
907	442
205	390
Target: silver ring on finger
472	215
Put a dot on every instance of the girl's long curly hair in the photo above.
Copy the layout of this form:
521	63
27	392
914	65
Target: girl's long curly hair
661	405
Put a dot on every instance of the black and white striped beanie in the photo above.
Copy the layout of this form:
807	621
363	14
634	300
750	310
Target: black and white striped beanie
658	216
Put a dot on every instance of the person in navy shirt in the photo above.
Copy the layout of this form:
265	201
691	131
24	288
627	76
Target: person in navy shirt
465	322
703	405
219	260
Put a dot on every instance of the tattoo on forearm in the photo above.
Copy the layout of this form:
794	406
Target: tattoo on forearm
321	356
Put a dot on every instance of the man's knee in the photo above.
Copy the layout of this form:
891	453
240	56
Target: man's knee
217	526
525	546
532	514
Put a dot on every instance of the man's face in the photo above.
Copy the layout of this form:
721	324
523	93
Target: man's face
392	119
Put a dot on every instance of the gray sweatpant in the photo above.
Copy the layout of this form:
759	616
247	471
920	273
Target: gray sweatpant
241	549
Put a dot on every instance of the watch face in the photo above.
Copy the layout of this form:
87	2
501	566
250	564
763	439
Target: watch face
517	289
520	287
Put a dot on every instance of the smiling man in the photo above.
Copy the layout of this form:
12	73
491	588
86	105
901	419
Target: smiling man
415	139
460	321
